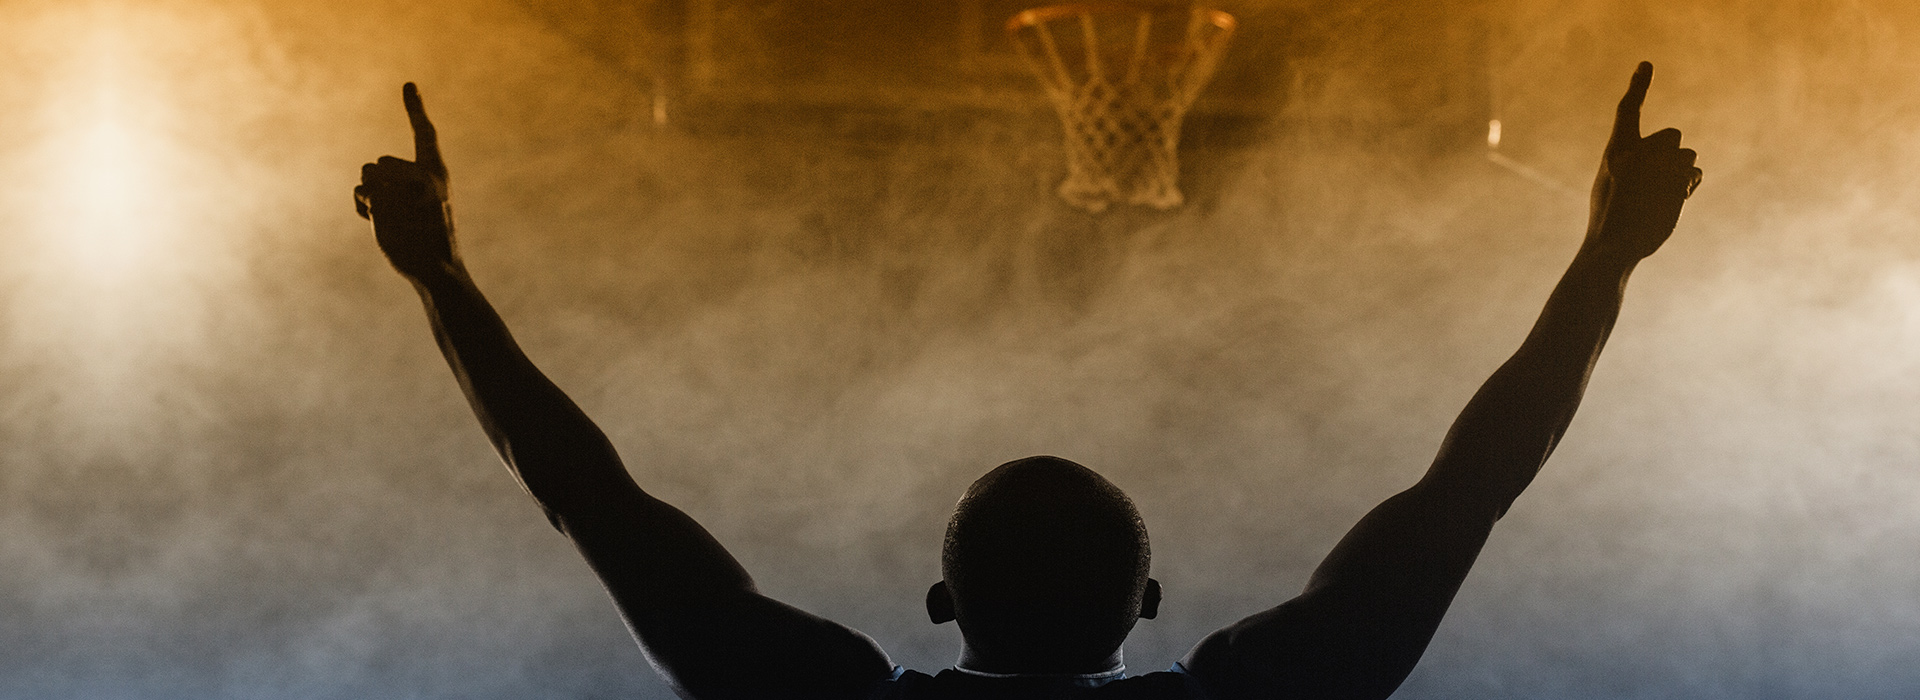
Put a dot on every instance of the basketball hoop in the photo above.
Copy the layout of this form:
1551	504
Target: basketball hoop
1123	105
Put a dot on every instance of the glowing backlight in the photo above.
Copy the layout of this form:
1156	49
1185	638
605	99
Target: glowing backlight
106	178
100	152
106	185
130	207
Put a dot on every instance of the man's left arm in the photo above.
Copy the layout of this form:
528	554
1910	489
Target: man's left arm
1371	607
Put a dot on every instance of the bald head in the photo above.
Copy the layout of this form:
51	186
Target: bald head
1046	563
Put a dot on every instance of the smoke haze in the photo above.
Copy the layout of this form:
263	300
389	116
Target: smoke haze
834	287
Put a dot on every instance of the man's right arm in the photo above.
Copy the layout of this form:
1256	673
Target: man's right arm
694	609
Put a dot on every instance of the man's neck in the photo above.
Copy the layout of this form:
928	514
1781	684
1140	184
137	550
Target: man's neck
974	663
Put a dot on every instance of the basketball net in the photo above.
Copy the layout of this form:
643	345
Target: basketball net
1123	105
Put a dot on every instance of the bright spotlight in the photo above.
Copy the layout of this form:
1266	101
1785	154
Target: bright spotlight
103	179
103	161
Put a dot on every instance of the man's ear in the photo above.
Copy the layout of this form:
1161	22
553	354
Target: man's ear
940	603
1149	600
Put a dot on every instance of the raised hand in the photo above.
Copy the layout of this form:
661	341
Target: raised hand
407	200
1642	182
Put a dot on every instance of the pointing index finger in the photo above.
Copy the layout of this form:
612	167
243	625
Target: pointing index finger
1626	123
426	143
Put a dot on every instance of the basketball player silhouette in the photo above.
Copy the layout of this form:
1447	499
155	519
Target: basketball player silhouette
1045	562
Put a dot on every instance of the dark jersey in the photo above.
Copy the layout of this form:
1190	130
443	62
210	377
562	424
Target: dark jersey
959	685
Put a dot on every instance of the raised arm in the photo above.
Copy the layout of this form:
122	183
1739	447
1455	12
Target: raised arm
691	605
1371	607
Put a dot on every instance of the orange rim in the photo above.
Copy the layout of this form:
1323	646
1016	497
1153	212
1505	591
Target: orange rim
1041	15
